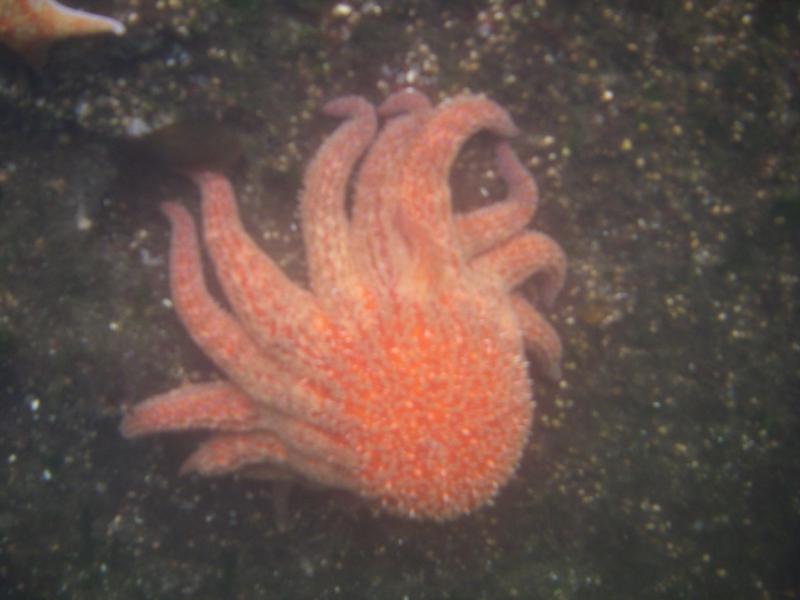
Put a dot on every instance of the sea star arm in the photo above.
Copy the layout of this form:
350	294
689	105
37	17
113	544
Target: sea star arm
64	21
528	254
216	405
213	329
485	227
221	336
230	452
386	152
30	26
322	202
424	186
279	315
374	238
221	406
409	100
298	435
541	339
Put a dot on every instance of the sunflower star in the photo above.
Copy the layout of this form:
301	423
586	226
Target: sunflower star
400	375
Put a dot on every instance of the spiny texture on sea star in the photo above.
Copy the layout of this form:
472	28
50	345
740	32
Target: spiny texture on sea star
29	27
401	374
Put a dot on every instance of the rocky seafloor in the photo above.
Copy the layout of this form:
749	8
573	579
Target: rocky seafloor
664	138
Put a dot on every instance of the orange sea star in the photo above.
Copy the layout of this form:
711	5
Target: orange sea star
401	374
30	26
